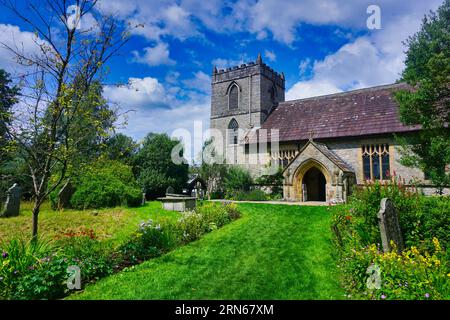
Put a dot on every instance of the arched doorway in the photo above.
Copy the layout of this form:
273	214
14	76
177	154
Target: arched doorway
314	185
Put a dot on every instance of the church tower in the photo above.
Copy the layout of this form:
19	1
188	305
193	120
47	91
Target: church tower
241	99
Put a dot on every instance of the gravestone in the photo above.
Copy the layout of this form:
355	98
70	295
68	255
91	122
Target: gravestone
389	226
170	190
12	205
64	195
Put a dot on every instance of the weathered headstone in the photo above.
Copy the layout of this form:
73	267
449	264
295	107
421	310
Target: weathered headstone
64	195
12	205
170	190
389	226
143	199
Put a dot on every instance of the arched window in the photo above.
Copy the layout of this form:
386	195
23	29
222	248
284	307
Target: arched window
273	93
233	128
233	97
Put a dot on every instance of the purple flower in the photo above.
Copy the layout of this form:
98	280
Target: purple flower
16	272
5	255
427	295
383	296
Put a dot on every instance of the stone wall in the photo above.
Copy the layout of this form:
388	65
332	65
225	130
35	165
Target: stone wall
255	81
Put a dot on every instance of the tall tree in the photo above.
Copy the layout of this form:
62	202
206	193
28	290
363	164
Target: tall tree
121	147
154	167
8	97
428	104
71	57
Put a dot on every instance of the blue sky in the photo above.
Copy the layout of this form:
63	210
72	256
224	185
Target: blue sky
322	46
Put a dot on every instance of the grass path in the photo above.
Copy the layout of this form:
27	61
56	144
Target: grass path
272	252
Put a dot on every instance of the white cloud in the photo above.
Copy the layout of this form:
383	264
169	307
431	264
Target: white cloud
270	55
263	18
356	65
304	66
139	93
374	59
221	63
154	108
200	82
160	18
22	41
154	56
311	88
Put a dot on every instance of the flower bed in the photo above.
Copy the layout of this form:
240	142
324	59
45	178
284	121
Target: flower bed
38	270
421	271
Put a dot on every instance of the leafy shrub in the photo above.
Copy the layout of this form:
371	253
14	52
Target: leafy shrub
214	214
274	182
236	180
365	204
232	211
82	249
425	226
407	275
149	241
19	258
154	167
107	184
44	280
252	195
192	226
154	182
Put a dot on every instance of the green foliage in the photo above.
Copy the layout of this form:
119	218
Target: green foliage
149	241
94	258
428	105
155	182
38	270
19	258
152	240
252	195
192	226
121	148
154	168
213	171
425	226
274	182
106	184
410	275
237	180
8	94
8	97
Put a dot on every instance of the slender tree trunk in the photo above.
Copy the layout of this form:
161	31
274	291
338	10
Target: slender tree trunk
36	209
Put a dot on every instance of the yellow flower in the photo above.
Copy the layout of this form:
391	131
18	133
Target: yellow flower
437	245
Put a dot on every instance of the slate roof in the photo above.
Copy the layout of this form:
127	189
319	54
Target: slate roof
354	113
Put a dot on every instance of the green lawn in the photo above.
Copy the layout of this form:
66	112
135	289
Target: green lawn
109	224
272	252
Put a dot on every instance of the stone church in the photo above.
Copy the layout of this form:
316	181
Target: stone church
324	145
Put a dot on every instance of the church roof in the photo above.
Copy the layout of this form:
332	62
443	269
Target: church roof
354	113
